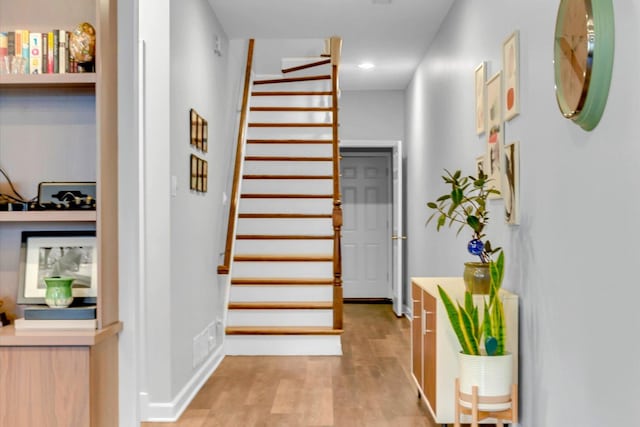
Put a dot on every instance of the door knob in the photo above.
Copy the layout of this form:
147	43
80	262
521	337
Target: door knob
394	237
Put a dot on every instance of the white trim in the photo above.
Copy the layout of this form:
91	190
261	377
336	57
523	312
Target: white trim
171	411
397	208
283	345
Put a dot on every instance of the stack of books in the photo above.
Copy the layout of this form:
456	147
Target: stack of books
41	317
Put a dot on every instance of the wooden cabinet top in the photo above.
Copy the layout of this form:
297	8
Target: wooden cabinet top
453	285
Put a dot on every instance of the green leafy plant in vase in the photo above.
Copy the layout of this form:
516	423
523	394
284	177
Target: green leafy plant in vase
465	206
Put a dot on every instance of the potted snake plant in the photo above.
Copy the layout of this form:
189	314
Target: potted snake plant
484	361
465	205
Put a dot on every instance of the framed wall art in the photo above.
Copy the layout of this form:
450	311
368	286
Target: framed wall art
69	253
511	67
495	137
193	121
199	131
511	183
193	173
480	165
480	80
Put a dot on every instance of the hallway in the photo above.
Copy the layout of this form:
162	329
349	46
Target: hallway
370	385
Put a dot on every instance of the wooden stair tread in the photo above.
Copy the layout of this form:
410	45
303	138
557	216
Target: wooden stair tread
289	330
291	109
285	196
280	281
283	237
284	258
284	215
292	79
305	66
289	125
288	159
287	177
289	141
281	305
293	93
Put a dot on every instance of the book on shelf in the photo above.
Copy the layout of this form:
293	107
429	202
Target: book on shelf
50	49
11	43
23	324
35	53
43	312
4	45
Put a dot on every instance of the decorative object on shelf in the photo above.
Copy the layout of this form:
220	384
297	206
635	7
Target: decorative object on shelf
511	183
70	253
58	293
480	80
466	206
484	361
511	67
583	59
3	317
495	137
199	134
82	46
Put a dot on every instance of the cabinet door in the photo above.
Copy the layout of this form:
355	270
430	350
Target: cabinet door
416	335
429	363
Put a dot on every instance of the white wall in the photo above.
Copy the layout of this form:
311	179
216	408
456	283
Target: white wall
372	115
573	258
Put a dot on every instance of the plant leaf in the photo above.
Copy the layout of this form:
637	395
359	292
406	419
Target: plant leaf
441	221
473	222
455	319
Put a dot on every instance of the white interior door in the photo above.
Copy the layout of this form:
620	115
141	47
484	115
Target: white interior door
366	230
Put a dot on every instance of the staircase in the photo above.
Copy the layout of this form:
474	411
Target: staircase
285	290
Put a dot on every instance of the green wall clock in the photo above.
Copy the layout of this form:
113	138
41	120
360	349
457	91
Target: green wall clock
583	59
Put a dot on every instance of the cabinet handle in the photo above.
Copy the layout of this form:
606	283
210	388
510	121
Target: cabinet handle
424	314
424	322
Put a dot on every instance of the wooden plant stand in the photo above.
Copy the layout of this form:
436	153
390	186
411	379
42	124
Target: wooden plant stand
510	415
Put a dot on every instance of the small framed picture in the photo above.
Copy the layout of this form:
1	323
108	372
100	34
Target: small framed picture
511	67
495	135
193	170
205	135
199	174
58	253
193	121
480	166
480	80
511	183
199	133
205	175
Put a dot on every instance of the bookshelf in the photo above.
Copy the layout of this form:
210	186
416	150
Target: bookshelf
61	127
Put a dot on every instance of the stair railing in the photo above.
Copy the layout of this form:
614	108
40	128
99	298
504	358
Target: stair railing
233	204
335	44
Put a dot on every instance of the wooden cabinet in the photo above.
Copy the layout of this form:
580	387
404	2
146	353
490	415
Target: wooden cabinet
61	127
434	352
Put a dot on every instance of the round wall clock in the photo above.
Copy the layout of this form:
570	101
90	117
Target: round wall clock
583	59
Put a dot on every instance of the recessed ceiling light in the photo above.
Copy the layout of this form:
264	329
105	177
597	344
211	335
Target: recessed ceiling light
366	65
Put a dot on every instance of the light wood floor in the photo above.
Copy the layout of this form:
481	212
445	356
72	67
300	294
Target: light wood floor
369	386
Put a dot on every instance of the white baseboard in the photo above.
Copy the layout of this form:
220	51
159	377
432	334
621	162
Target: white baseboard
171	411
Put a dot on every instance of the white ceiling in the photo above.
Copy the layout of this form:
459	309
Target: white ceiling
393	34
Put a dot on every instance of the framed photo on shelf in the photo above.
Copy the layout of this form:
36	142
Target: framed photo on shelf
511	67
495	136
480	80
69	253
511	183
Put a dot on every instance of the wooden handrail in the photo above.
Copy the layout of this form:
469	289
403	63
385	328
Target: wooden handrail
233	205
335	45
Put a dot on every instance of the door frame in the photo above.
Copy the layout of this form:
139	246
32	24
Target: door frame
398	287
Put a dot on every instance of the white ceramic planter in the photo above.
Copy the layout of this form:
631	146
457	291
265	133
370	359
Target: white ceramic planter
492	374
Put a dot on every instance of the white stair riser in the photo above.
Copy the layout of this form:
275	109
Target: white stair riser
283	345
312	226
295	150
289	116
315	85
257	167
287	186
291	101
281	293
296	132
294	270
312	206
283	246
280	317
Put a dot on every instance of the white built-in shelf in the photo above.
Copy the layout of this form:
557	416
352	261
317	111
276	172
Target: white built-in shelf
48	80
48	216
